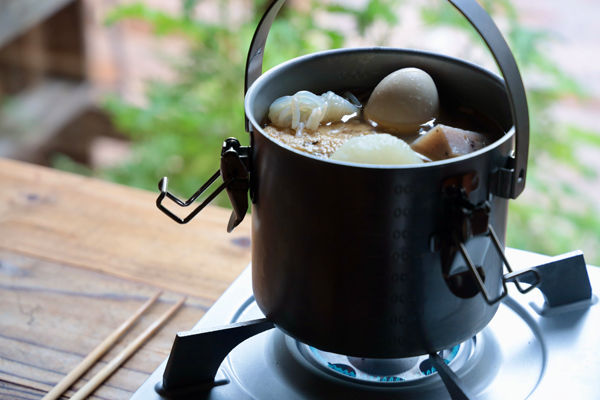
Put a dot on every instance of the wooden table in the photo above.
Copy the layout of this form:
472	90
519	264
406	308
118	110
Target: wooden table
78	256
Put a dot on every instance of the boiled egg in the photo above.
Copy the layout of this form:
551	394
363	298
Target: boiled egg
403	101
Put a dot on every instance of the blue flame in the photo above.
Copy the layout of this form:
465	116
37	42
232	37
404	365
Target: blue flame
341	370
451	357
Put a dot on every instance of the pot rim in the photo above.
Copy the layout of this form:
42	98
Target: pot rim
250	94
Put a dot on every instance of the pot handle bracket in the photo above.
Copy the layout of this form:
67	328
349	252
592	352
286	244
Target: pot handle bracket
234	170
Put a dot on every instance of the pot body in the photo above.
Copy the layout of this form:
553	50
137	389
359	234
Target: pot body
341	253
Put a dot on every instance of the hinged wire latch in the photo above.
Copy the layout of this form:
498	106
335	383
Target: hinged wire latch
234	171
467	220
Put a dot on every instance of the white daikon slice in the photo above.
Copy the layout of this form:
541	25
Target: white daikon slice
381	149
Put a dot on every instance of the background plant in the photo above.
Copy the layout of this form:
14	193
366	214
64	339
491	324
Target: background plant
180	130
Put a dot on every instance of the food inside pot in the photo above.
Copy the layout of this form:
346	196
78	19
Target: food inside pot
366	125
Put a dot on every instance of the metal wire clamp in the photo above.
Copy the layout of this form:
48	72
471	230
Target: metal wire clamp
468	220
510	277
234	170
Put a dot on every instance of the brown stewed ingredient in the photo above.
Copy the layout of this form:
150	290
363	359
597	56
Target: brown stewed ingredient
444	142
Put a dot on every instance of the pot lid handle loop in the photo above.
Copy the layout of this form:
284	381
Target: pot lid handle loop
514	183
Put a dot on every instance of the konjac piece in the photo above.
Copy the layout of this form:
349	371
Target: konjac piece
442	142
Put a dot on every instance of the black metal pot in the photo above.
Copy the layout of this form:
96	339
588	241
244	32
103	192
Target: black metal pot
378	261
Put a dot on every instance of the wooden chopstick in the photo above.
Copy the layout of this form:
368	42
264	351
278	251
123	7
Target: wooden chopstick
102	348
116	362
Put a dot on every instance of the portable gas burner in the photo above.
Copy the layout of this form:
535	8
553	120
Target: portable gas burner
542	345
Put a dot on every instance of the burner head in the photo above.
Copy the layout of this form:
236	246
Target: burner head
377	366
386	370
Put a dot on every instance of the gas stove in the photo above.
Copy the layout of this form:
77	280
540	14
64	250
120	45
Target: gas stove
542	345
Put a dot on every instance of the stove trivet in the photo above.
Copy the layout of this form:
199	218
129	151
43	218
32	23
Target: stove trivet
508	359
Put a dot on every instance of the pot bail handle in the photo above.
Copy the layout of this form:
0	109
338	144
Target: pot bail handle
511	179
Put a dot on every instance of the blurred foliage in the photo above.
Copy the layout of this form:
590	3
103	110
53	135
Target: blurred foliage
179	131
554	215
65	163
